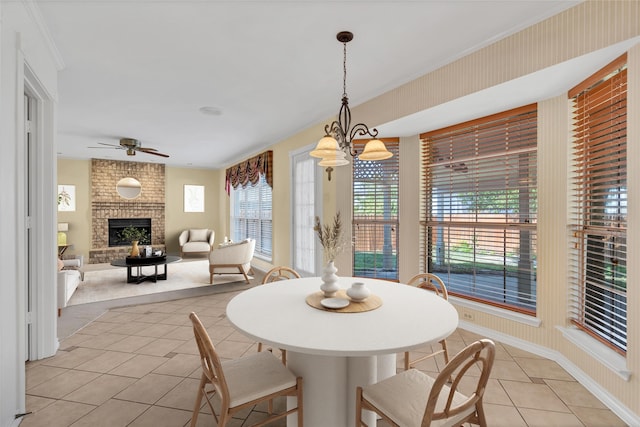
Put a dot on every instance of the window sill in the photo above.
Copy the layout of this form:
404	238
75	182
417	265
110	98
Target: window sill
261	257
496	311
603	354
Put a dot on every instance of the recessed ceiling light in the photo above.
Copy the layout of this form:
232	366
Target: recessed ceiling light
211	111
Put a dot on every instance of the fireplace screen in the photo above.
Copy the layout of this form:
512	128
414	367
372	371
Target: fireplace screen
116	225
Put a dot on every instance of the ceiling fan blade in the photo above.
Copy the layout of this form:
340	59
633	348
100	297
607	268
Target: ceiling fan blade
152	151
109	145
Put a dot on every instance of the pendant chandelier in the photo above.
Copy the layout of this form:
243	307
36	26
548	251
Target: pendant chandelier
337	141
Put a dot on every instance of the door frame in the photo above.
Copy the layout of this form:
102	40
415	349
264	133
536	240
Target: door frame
38	263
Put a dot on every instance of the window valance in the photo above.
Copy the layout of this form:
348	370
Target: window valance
249	171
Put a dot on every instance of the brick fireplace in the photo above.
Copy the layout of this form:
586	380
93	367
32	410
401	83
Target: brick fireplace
107	204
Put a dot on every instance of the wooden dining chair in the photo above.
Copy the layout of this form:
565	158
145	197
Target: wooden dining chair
274	275
242	383
280	273
415	399
433	283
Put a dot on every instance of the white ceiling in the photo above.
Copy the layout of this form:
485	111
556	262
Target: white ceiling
143	68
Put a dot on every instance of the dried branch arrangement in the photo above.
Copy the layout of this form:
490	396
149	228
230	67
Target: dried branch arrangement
330	236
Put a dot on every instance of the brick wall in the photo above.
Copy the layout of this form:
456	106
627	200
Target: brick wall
106	203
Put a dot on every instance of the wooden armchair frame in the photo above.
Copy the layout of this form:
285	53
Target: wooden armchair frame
274	275
440	401
433	283
280	273
247	371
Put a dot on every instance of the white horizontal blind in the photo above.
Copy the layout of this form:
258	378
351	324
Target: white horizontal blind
599	276
480	183
251	216
375	214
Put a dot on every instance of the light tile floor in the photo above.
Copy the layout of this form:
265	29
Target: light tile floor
138	365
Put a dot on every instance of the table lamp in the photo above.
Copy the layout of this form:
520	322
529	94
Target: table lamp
62	236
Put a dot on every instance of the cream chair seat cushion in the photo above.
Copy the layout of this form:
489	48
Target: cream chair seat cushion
254	376
409	390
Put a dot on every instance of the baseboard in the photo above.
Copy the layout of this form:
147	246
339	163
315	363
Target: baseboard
607	399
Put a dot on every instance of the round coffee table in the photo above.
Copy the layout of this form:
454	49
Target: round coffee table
153	261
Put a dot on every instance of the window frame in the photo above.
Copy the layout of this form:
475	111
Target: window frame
262	233
378	231
476	147
598	306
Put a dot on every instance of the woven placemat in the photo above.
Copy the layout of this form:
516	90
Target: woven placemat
370	303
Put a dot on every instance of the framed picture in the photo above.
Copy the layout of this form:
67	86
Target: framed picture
66	198
194	198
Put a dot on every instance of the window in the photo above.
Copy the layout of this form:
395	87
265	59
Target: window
252	183
251	216
375	214
480	208
599	280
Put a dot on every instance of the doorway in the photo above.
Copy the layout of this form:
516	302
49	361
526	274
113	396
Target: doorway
306	178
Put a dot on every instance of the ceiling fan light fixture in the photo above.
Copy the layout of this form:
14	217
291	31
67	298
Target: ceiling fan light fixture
130	146
375	150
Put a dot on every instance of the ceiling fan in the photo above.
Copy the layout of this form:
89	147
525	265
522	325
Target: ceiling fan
131	146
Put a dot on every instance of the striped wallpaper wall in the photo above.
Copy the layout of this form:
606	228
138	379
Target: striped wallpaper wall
590	26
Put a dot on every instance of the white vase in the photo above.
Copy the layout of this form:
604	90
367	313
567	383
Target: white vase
358	291
329	280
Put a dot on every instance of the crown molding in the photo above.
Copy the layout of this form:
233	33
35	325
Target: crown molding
36	15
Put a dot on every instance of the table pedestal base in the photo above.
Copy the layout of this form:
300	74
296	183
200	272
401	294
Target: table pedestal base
139	277
330	386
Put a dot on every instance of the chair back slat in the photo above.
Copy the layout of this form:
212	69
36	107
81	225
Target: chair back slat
480	353
430	282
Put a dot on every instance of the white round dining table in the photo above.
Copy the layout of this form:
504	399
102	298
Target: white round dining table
335	352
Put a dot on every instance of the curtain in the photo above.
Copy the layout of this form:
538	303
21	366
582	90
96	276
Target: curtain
249	172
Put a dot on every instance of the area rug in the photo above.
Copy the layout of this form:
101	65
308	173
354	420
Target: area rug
111	283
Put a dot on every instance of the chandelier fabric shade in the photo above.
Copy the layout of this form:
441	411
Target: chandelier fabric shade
250	171
339	135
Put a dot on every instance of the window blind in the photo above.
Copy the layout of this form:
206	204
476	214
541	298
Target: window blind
375	214
251	216
598	299
480	208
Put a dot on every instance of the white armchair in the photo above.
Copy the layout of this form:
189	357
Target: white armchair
232	258
196	241
69	277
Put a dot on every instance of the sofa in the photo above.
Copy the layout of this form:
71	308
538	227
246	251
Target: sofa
69	277
232	258
196	241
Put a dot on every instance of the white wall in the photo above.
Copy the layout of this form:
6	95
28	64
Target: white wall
24	47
